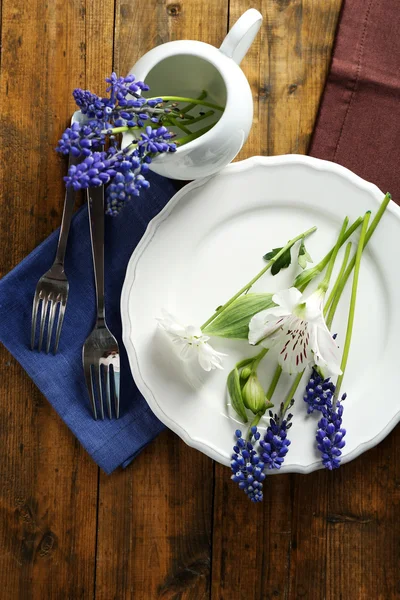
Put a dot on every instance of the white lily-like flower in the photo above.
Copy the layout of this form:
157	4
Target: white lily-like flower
296	330
191	342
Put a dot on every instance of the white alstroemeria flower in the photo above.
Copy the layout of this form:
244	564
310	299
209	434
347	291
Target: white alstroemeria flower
297	331
191	342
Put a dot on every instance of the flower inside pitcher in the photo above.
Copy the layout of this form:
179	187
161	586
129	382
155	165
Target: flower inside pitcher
188	76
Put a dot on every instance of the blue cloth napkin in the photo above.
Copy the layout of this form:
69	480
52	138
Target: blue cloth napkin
110	443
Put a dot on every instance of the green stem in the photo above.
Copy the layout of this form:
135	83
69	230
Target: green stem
257	359
350	267
302	280
361	246
244	363
181	141
209	113
353	299
193	101
193	136
123	129
263	270
323	286
190	106
337	283
254	423
274	382
292	391
181	126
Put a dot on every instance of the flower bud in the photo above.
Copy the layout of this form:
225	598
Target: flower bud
245	373
253	394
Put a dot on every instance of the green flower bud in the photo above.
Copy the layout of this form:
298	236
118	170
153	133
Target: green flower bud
245	373
253	394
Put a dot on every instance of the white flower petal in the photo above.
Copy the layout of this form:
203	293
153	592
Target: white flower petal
326	351
293	345
190	342
186	351
288	299
264	324
314	307
170	324
204	362
192	331
209	358
297	340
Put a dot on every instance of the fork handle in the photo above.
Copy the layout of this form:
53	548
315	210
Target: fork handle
69	203
95	198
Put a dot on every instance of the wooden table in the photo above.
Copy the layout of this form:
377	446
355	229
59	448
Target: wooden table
172	525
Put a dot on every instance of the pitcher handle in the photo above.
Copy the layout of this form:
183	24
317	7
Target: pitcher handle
242	34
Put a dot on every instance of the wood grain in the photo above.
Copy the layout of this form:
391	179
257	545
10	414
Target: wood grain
363	550
155	518
48	485
155	526
171	525
286	67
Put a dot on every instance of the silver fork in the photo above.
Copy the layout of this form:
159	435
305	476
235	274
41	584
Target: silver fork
52	288
100	354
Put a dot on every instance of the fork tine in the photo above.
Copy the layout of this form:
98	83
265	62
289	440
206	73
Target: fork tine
35	309
59	325
43	316
108	390
52	314
89	385
116	392
97	377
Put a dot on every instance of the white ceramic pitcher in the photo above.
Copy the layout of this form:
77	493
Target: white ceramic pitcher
184	68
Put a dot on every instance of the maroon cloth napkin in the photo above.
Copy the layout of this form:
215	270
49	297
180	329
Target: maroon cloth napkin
358	124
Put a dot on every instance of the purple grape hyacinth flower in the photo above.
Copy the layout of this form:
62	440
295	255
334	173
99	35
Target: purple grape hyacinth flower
155	140
96	169
247	468
120	87
319	392
330	435
82	140
95	143
275	444
92	105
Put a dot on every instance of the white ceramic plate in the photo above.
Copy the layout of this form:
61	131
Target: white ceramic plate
207	243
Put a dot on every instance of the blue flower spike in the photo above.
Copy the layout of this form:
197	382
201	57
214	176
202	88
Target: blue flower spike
319	392
275	444
123	169
247	468
330	435
320	397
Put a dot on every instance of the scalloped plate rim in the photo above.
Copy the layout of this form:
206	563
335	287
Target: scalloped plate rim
244	165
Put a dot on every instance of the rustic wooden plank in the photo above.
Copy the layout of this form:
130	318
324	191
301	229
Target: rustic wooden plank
48	484
286	68
308	554
251	543
154	525
363	553
154	537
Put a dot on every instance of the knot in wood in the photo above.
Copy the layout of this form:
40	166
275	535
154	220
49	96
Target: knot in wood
174	9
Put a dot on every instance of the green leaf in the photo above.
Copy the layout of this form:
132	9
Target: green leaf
235	394
303	257
233	322
281	263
